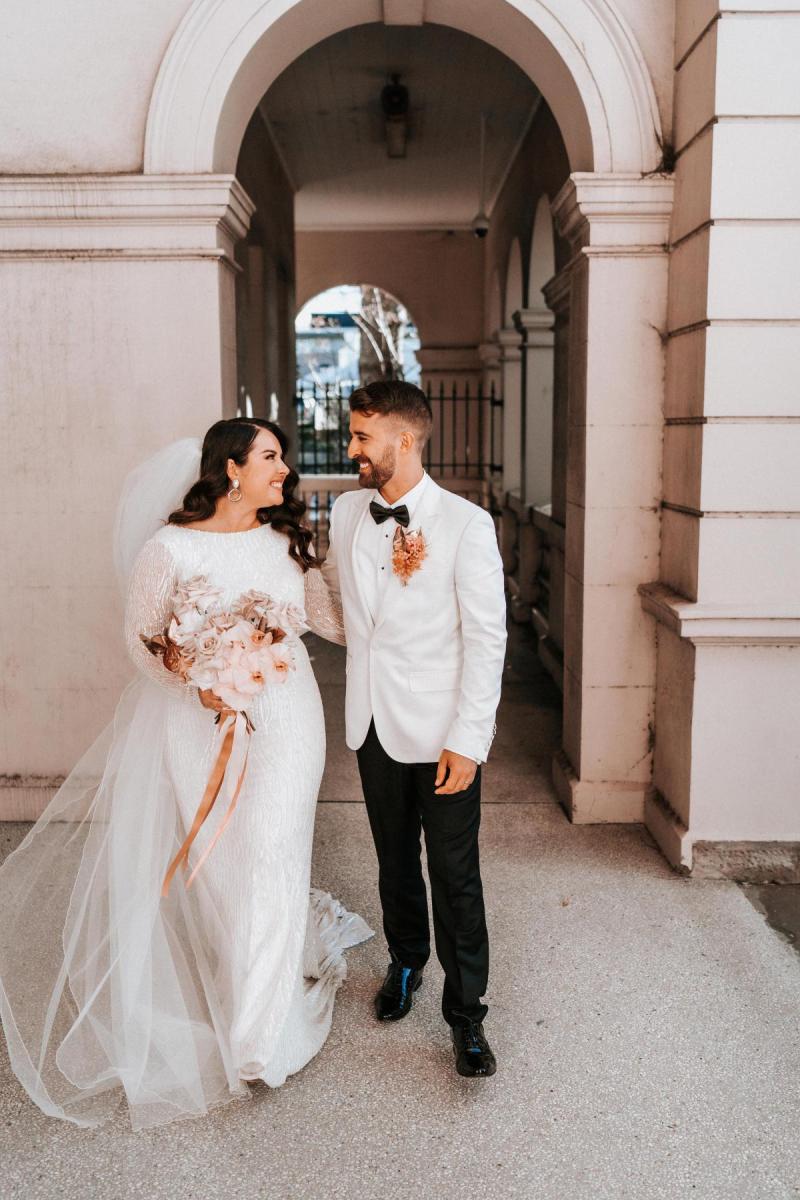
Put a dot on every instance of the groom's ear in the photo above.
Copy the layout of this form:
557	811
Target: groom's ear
407	441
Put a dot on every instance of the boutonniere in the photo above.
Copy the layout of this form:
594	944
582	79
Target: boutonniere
409	551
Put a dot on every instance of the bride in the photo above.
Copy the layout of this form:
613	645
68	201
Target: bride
109	990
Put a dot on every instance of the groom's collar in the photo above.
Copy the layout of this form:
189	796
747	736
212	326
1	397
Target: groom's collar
410	499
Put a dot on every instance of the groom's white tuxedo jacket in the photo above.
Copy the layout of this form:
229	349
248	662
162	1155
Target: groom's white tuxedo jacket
427	665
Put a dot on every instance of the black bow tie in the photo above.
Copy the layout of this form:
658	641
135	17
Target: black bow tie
381	514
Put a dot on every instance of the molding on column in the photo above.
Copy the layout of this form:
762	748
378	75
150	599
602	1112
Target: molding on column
747	862
720	624
597	802
557	291
510	343
731	514
123	216
614	211
489	354
668	831
536	325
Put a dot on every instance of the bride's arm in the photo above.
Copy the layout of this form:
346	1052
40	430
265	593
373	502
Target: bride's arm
323	609
148	611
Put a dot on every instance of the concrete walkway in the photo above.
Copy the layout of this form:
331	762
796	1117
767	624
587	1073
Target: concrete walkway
646	1029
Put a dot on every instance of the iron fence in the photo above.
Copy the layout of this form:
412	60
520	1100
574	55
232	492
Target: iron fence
466	442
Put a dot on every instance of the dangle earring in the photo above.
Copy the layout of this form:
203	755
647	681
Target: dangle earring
235	495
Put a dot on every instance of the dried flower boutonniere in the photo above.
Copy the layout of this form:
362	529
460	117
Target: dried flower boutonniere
408	553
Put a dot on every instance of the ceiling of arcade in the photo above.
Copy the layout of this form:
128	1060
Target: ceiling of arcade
325	115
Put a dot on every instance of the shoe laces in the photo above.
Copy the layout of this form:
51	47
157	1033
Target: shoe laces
472	1041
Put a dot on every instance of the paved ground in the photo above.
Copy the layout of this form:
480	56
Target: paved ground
646	1028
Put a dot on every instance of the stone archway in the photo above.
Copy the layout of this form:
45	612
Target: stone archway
224	56
614	214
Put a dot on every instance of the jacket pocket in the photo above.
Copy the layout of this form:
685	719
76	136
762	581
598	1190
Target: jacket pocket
435	681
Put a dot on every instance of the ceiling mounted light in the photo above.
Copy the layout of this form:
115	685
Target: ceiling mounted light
394	102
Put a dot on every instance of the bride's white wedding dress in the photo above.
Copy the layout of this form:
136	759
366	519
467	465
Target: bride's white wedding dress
105	987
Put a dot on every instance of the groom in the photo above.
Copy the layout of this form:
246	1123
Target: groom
421	584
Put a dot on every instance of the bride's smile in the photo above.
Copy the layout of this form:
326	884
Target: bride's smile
263	475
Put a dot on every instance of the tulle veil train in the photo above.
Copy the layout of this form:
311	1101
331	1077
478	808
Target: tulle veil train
109	993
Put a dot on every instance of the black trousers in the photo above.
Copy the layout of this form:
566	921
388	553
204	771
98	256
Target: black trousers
400	803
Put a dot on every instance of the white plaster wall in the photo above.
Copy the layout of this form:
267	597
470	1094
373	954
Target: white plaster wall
76	80
100	364
726	713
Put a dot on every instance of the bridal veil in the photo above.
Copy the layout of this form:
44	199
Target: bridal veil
109	993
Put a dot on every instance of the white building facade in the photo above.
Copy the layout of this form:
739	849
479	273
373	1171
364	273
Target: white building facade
637	303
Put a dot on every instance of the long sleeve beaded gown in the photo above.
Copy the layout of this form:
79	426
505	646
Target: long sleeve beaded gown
177	1002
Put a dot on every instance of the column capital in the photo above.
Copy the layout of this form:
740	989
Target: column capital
489	353
721	624
536	324
123	216
510	342
619	211
557	292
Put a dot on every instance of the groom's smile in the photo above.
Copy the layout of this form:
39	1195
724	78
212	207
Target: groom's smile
378	467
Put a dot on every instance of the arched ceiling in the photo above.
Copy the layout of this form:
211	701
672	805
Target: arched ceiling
325	115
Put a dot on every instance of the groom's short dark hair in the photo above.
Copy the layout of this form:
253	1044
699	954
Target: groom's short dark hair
395	398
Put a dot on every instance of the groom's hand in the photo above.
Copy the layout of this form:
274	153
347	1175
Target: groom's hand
457	770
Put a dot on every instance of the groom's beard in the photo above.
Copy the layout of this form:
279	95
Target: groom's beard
377	475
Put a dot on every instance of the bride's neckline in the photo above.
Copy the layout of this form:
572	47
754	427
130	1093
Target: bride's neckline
222	532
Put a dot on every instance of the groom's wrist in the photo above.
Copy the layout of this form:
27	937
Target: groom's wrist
465	747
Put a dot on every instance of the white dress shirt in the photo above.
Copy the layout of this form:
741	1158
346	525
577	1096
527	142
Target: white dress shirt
374	545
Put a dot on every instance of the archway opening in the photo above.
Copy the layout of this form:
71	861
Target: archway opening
345	337
392	197
352	334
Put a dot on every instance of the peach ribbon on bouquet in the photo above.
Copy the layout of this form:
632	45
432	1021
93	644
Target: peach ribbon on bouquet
229	769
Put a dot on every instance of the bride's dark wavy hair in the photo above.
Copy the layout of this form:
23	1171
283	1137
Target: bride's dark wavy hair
233	438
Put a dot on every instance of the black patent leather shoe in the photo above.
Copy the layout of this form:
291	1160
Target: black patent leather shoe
396	996
474	1056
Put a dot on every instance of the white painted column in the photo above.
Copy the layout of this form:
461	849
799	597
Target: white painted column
117	334
727	760
617	225
510	341
536	327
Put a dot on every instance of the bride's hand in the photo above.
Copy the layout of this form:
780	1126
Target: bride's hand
209	700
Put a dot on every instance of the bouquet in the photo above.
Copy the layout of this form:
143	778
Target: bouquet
236	653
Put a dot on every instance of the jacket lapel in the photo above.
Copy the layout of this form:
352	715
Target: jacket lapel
425	518
358	521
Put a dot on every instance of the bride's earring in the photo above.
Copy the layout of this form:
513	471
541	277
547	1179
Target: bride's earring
235	495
